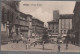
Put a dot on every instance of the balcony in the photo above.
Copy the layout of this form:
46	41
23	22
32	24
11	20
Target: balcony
24	23
24	28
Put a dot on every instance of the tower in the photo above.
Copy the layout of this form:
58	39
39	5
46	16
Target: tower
55	14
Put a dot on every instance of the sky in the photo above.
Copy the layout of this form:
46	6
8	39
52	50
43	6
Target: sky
43	10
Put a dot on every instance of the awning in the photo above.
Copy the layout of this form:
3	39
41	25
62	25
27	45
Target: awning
64	35
33	34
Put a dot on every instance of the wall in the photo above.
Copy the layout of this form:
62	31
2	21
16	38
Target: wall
64	25
37	27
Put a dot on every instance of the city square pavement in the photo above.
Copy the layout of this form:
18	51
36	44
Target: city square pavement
39	48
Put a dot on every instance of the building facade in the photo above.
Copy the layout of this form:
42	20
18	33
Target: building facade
76	23
65	24
53	26
25	24
37	27
9	15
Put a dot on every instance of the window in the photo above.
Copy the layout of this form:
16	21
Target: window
56	31
53	27
53	31
56	27
61	23
61	31
49	27
28	18
64	23
64	31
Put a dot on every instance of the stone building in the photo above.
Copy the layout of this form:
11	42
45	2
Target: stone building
53	26
65	24
76	23
25	24
37	27
9	20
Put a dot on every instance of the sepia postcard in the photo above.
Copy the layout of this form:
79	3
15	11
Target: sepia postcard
40	26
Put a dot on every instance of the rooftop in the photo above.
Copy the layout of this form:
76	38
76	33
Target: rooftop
53	21
77	7
37	19
66	16
24	15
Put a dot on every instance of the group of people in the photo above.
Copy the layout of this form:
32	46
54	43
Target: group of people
66	42
27	42
15	38
59	47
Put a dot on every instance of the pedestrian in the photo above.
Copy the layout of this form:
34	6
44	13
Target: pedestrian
66	46
23	39
29	43
59	47
17	39
67	41
58	42
34	44
43	45
14	37
26	44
